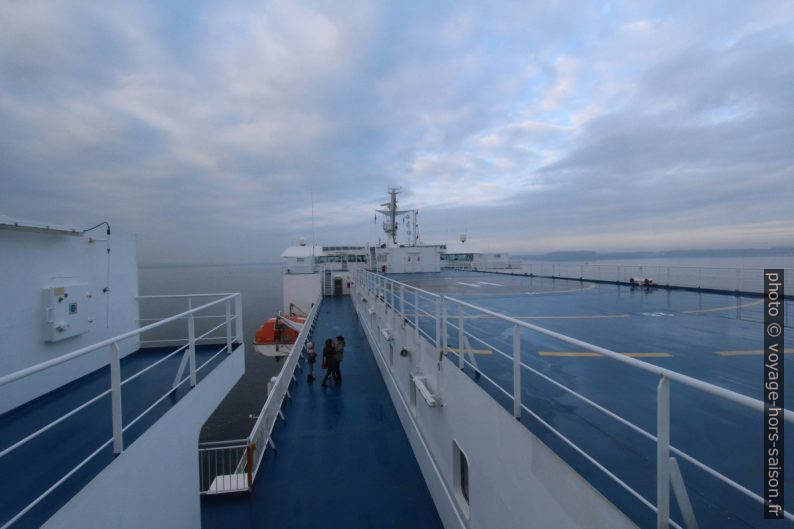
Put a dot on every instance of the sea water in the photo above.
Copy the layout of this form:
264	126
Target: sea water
260	286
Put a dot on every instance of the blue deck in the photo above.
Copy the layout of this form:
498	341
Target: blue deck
32	468
710	336
343	459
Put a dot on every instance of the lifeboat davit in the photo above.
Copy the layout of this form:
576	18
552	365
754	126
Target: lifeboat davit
276	336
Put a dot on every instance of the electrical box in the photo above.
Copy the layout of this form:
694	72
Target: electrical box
65	311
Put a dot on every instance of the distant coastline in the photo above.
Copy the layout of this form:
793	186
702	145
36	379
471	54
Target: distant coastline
585	255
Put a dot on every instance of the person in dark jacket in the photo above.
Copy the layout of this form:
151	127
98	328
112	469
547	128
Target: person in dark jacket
340	351
330	360
311	358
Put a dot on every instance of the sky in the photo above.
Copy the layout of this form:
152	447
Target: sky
213	130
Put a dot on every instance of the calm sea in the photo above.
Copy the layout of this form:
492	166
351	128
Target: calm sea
260	286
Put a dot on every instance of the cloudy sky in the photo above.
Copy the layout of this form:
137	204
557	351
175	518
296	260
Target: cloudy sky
208	127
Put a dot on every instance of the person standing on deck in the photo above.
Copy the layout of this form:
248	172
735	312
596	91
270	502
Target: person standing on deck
311	358
340	350
329	359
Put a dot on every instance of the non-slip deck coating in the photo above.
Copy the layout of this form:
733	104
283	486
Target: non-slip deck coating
343	459
35	466
713	337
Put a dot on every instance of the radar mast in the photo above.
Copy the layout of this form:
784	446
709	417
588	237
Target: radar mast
391	213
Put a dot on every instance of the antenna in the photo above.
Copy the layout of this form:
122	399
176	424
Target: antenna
311	194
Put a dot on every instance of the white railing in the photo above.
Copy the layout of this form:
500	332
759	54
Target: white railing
225	466
116	383
697	277
431	317
244	457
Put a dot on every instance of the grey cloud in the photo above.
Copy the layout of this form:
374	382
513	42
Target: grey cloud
209	128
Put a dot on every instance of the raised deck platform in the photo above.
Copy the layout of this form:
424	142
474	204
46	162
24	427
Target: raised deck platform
717	338
37	465
343	459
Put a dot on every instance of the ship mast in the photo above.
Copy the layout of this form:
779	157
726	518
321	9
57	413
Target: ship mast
391	213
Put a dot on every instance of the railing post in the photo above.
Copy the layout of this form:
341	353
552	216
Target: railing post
461	336
238	313
517	372
444	329
228	326
416	314
663	454
191	347
115	397
249	459
402	303
438	324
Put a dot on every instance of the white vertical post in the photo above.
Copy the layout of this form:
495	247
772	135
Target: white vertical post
461	336
238	313
228	326
663	454
115	397
438	324
444	345
191	347
517	372
402	302
416	314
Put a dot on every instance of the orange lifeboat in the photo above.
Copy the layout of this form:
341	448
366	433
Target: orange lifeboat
276	336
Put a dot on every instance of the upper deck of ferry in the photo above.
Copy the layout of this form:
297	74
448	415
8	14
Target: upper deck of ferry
710	335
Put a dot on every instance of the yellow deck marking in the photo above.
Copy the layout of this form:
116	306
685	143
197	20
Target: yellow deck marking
588	287
590	353
581	317
751	352
453	317
475	351
727	307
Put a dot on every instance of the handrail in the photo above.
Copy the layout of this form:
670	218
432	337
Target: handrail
278	392
116	383
256	443
706	387
22	373
182	296
667	472
740	280
728	481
